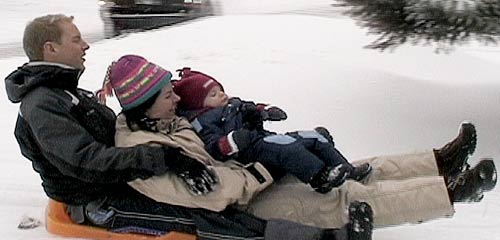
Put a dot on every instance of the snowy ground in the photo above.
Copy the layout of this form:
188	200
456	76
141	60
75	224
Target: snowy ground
313	67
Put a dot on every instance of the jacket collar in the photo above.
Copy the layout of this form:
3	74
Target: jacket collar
36	74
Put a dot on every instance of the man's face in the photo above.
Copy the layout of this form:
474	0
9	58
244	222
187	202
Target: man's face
72	48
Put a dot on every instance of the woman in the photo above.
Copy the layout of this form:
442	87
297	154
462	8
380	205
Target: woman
402	188
149	104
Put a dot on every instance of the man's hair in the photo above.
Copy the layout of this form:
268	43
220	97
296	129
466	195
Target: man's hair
41	30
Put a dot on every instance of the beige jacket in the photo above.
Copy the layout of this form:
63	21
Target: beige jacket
236	184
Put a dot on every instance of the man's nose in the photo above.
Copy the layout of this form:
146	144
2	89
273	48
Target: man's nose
85	46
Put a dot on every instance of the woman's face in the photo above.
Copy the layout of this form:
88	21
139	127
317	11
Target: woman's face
165	104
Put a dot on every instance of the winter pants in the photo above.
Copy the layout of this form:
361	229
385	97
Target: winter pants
401	189
129	211
302	154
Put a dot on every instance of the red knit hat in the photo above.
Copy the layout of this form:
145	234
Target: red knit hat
193	88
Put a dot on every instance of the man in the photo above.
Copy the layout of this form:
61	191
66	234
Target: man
69	138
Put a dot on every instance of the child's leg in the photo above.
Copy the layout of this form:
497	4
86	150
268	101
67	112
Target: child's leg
287	154
320	146
321	143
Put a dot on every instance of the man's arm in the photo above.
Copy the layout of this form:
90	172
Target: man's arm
68	146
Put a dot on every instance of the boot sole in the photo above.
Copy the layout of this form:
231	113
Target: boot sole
360	221
471	146
487	172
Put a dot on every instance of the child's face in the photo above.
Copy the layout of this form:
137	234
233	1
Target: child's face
216	98
165	104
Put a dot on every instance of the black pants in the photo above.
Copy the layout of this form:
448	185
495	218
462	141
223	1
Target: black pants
128	211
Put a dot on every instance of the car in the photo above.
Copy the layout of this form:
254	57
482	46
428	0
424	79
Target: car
132	15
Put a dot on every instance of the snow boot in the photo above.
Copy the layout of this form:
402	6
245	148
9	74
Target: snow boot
329	177
452	158
469	185
358	173
360	226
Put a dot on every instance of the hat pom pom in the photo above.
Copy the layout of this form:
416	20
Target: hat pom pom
107	88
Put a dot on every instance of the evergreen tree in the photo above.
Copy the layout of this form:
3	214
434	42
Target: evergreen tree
445	22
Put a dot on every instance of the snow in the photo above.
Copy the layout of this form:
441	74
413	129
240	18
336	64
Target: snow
313	67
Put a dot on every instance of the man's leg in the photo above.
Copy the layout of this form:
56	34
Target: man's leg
130	211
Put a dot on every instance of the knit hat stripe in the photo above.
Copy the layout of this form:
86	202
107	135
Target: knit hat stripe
147	88
148	94
147	77
136	78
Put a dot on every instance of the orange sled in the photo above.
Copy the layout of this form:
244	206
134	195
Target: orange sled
58	222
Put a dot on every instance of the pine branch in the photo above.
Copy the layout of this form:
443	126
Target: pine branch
445	22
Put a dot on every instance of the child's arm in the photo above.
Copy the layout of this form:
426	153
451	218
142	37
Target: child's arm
271	113
266	112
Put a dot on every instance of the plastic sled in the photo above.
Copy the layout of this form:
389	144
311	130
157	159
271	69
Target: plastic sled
59	223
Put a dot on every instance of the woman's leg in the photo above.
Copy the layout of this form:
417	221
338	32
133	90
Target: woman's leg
393	202
446	161
402	166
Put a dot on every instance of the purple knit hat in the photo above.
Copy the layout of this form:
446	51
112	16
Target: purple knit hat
134	80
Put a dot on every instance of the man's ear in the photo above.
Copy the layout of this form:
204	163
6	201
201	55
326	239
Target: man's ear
48	48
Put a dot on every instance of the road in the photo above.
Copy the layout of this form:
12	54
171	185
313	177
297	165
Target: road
14	49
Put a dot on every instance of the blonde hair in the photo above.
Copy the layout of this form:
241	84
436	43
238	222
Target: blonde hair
41	30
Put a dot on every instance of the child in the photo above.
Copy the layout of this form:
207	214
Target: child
232	129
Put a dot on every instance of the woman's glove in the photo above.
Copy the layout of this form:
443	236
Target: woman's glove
198	179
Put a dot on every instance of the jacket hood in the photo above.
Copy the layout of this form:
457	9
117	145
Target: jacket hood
35	74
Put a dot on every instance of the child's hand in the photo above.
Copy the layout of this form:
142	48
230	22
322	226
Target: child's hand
252	116
273	113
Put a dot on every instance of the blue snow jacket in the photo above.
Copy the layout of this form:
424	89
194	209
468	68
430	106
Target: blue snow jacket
214	124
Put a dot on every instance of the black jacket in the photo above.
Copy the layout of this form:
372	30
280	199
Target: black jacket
69	137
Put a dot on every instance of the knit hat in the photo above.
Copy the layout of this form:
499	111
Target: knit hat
193	88
134	80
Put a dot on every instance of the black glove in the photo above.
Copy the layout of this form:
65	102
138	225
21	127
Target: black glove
273	113
242	138
198	179
252	117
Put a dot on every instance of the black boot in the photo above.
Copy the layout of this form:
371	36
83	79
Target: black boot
360	221
329	177
452	158
360	226
469	185
358	173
